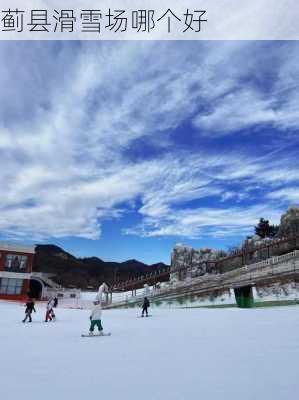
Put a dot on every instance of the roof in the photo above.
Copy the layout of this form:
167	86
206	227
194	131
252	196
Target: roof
17	248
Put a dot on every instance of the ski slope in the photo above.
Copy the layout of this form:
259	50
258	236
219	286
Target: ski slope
175	355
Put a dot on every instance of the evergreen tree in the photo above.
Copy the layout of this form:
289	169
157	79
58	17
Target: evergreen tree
264	230
273	230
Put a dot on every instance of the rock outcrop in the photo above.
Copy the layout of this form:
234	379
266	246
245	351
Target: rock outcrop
289	222
193	262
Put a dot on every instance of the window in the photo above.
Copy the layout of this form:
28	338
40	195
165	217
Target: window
15	263
11	286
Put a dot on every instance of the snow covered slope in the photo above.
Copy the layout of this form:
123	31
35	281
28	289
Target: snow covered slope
175	355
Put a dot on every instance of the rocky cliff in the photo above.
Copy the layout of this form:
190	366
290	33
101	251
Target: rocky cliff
193	262
289	222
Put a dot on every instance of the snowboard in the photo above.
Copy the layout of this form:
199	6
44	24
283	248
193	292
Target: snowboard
95	334
140	316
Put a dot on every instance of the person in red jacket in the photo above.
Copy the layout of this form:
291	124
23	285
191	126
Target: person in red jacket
50	315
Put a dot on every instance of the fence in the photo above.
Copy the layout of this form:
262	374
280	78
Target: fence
274	266
267	247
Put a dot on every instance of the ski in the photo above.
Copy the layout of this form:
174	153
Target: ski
140	316
95	335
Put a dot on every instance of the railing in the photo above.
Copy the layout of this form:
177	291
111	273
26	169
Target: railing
270	267
46	278
141	278
273	266
273	260
62	294
131	283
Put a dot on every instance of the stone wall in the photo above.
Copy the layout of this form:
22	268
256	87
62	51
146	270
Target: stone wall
277	291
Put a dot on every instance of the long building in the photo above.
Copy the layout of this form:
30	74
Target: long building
15	270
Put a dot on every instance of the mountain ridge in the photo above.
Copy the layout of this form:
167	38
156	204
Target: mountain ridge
87	272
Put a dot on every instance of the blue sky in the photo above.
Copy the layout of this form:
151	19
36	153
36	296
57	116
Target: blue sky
122	149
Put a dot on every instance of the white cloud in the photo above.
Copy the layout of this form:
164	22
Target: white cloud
236	111
261	89
206	222
290	194
70	120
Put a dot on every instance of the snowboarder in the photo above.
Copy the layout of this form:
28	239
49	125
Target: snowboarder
29	308
145	306
95	318
50	315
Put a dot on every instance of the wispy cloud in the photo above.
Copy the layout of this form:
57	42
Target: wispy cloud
290	194
261	89
71	116
200	222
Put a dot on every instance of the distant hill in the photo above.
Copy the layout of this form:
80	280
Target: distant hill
86	272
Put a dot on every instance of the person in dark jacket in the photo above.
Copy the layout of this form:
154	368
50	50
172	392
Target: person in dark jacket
28	311
55	302
145	306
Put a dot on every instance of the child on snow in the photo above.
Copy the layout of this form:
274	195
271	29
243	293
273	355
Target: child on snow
95	318
28	311
50	313
145	306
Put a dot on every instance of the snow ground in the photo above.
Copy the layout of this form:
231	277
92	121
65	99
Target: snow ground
175	355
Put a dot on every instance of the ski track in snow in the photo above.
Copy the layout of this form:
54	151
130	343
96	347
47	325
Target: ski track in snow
176	355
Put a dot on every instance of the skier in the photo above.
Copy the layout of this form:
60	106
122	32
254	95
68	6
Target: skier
95	318
50	315
145	306
28	311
